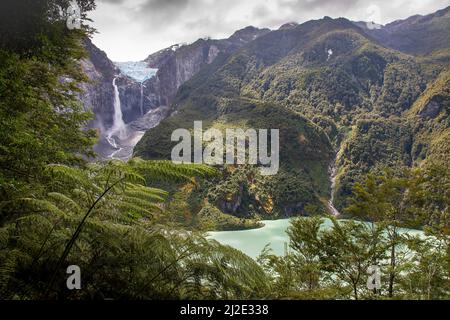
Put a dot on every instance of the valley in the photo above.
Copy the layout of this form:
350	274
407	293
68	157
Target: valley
329	71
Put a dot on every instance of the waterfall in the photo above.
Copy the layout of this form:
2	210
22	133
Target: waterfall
123	137
118	127
140	72
142	99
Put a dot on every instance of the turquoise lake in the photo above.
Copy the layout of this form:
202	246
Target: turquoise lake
252	242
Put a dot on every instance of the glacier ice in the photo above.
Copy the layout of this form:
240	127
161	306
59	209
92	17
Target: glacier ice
137	70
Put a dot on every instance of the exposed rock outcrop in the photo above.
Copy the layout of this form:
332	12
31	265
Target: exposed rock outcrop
98	94
431	110
179	63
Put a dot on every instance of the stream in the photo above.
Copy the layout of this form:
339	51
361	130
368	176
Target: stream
332	172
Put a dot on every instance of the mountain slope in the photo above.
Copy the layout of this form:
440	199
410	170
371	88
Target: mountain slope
336	75
179	63
418	35
305	154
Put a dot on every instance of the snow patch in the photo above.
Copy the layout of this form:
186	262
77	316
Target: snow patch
175	47
372	25
330	52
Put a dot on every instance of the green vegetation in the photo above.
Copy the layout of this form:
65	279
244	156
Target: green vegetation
378	108
240	190
333	263
375	106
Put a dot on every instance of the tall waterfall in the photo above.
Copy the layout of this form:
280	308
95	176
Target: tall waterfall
123	137
118	127
142	99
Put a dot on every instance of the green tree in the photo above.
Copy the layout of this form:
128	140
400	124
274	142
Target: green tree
41	118
428	276
325	262
382	201
416	198
348	249
304	238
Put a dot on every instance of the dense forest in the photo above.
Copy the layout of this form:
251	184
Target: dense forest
137	228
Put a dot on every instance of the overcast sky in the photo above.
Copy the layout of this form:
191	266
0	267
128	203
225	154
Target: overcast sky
129	30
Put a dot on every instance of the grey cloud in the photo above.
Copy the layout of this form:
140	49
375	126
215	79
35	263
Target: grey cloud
320	4
157	14
200	23
164	6
115	2
155	24
260	11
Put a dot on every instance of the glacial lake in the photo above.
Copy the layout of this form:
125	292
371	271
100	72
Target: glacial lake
252	241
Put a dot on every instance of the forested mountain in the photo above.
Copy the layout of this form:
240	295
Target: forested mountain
377	106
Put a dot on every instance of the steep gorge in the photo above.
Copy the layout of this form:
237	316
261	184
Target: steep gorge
145	102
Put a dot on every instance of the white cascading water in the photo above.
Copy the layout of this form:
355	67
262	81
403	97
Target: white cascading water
118	128
142	99
123	137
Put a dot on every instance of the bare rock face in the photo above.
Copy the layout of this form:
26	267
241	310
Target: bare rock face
98	95
176	65
431	110
179	63
150	120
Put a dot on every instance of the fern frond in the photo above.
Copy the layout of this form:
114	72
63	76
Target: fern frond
68	202
149	196
168	171
148	190
134	210
42	205
141	203
68	174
